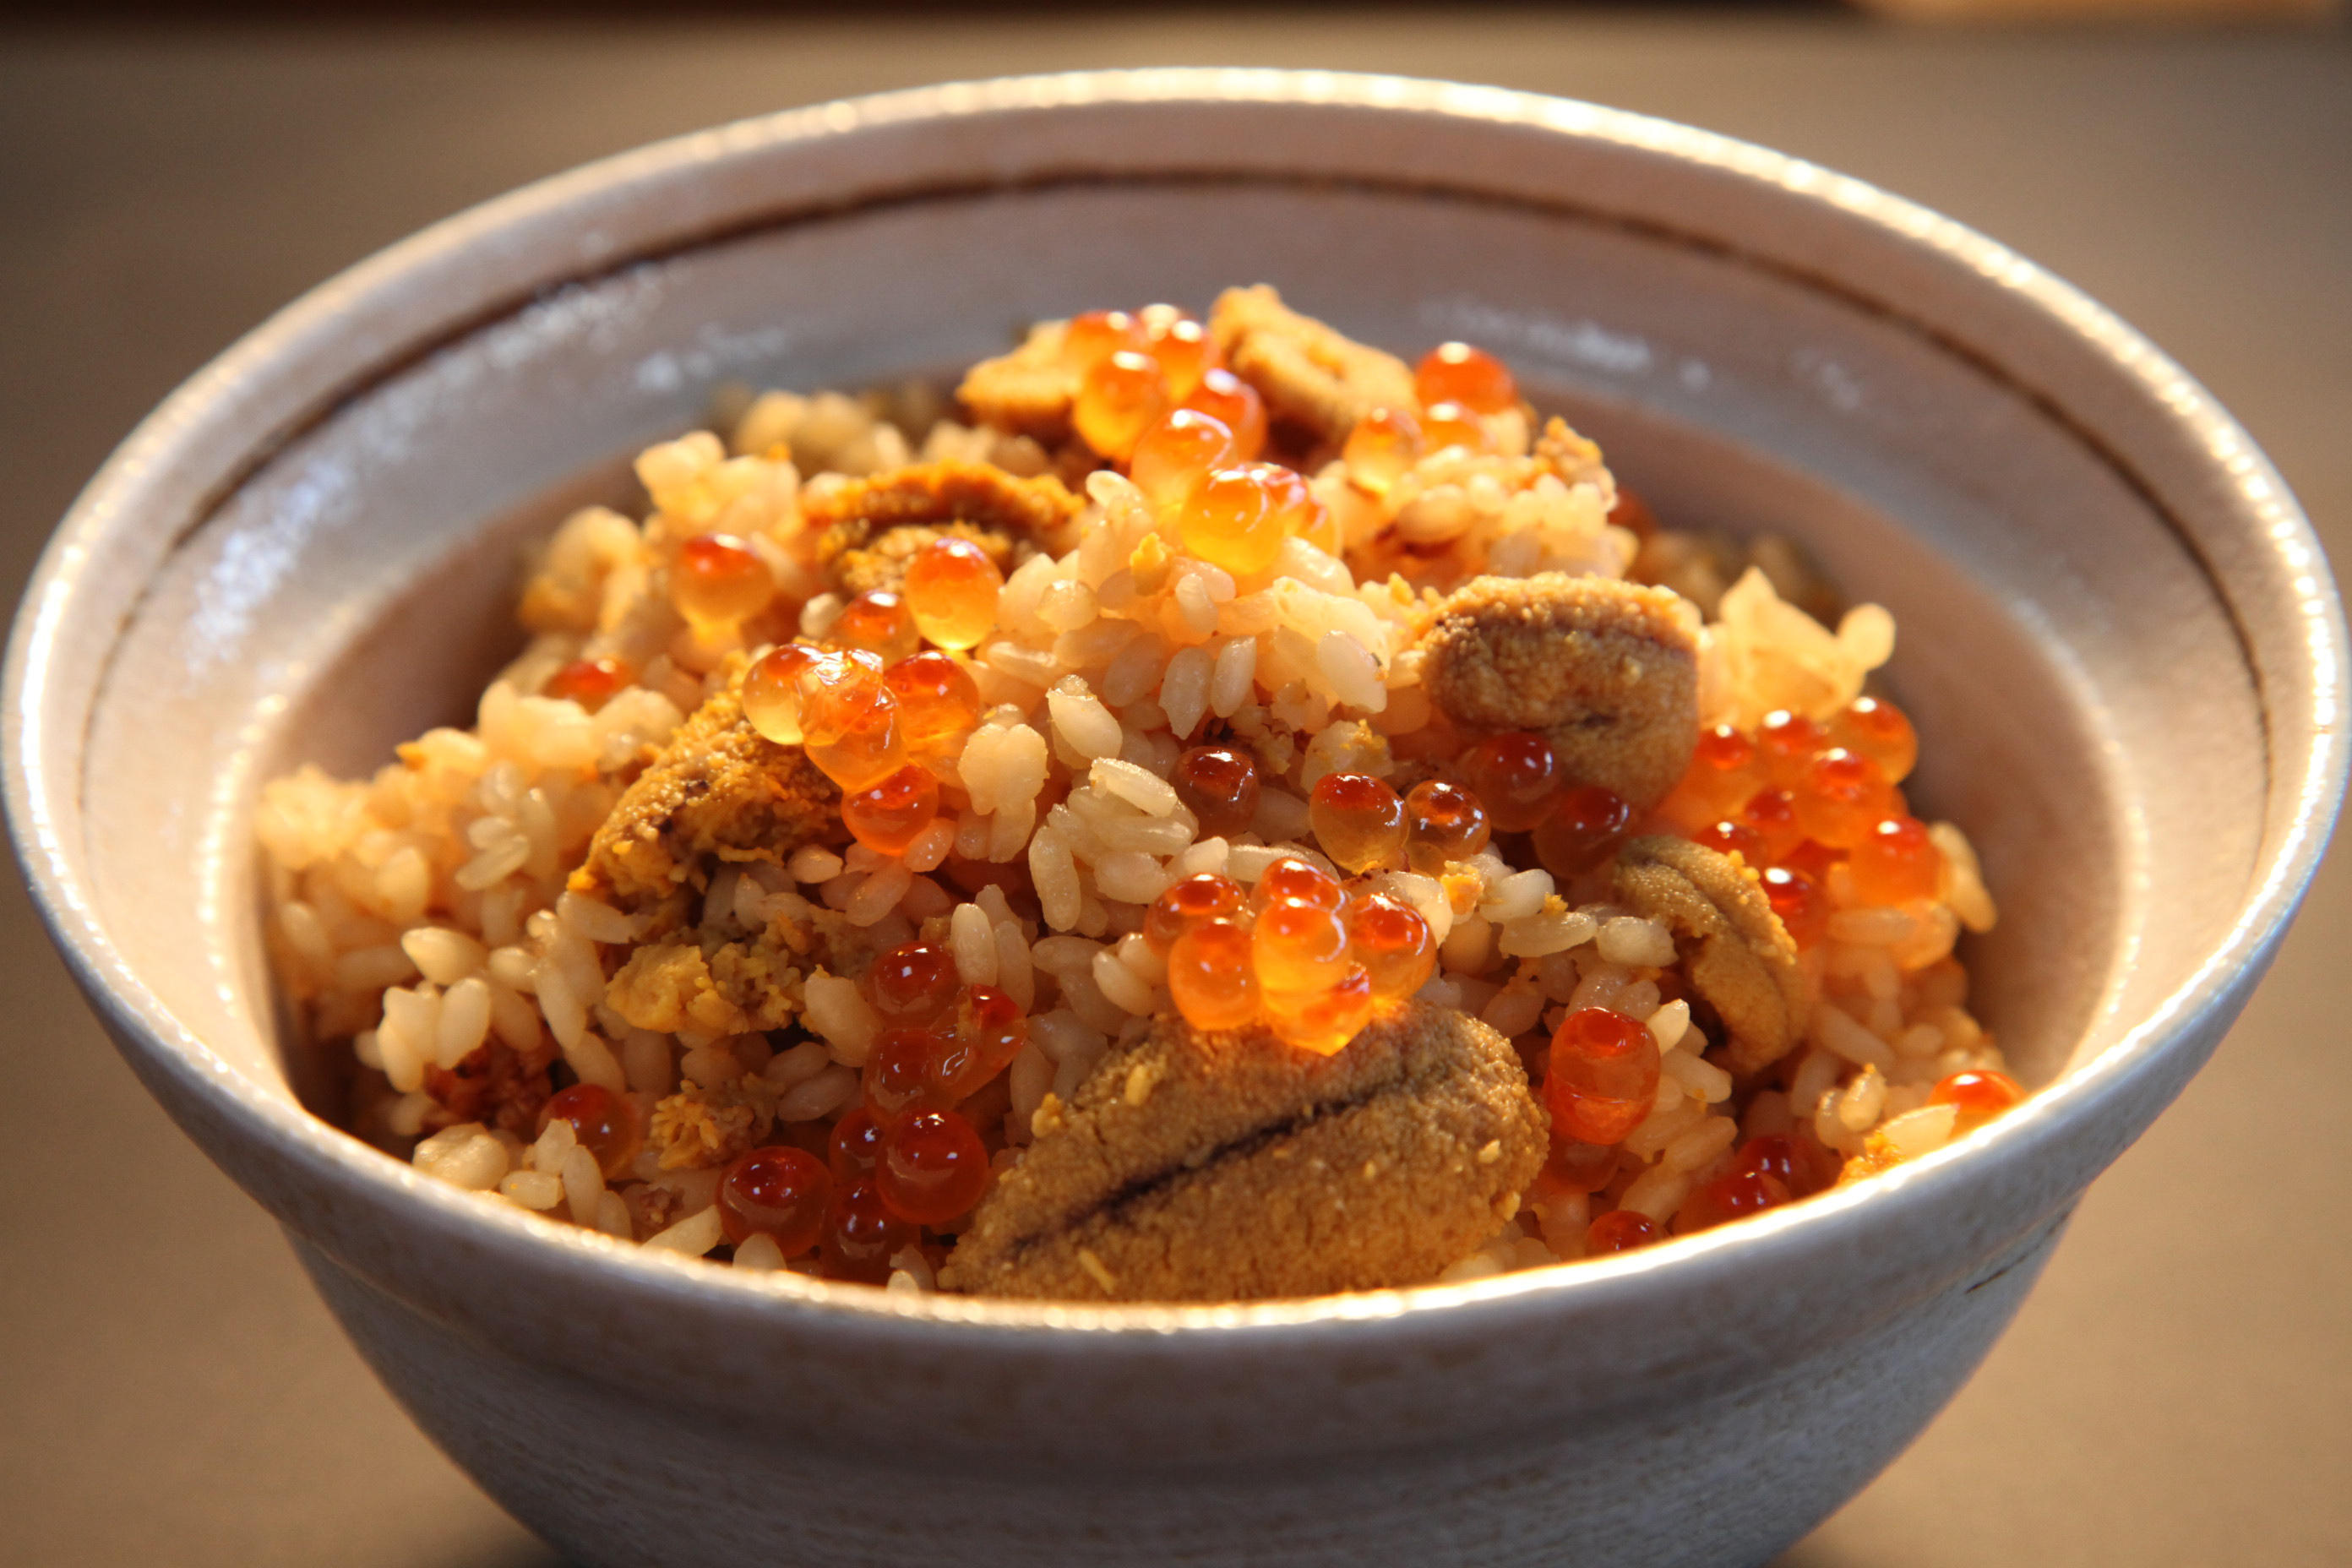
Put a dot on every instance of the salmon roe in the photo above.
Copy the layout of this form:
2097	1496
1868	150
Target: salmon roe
933	1168
1211	977
1802	1167
1786	741
1176	453
1602	1076
1218	784
1203	896
897	1078
1442	822
1582	830
1324	1021
1291	878
1444	424
1092	335
604	1123
1980	1093
1457	373
849	728
719	583
1771	816
951	591
1730	837
1384	445
1879	731
989	1030
889	815
1358	820
590	682
861	1233
776	686
1391	944
1119	398
1800	902
1180	345
938	701
1235	404
1237	518
778	1191
879	622
1298	947
853	1147
1618	1230
1515	777
1840	796
1729	1197
913	982
1896	863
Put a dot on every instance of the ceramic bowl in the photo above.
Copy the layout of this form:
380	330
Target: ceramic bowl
2118	638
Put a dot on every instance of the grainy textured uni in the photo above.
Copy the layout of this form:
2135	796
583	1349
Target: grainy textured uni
1608	671
1311	375
1221	1167
1736	954
1028	391
869	528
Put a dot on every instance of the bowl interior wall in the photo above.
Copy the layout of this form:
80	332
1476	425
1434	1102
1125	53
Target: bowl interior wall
350	591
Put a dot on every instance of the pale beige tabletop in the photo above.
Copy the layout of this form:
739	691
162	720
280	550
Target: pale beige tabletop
2178	1390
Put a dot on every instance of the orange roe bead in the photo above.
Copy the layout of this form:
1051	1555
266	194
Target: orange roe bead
1602	1076
1237	517
1573	1166
1805	1168
1176	453
897	1077
933	1168
1735	1197
913	982
1618	1230
1800	902
889	815
853	1147
1183	348
1457	373
1730	837
938	701
1118	399
861	1234
1095	336
990	1030
1897	863
590	682
1391	944
1298	947
1292	878
777	684
1786	741
1384	445
1725	771
778	1191
1840	797
1358	820
1581	831
1218	784
1442	822
1444	424
1812	861
1325	1021
718	582
849	728
1515	777
1980	1094
1210	975
1771	816
879	622
1236	404
1879	731
604	1123
1203	896
950	590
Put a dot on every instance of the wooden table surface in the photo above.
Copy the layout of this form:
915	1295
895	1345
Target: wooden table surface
2178	1390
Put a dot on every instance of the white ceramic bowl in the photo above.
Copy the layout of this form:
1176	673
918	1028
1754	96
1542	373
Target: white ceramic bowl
2118	639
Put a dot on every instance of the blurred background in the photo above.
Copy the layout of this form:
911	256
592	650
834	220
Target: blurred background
2179	1388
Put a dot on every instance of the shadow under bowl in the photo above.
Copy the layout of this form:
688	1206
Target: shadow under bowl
2118	640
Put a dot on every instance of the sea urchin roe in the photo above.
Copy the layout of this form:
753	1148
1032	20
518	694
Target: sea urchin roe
1515	777
1358	820
1618	1230
718	582
1236	405
1458	372
861	1233
1603	1075
1119	398
778	1191
1729	1197
1205	896
938	701
1443	823
1177	452
889	815
951	588
1391	944
1582	829
590	682
1218	784
1879	731
933	1167
1382	449
1979	1094
604	1123
1210	975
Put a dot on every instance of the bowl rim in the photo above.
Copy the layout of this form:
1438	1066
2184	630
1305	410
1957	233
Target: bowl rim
44	819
